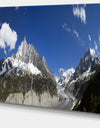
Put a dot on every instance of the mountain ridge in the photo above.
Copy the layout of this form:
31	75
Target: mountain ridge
24	73
64	77
26	57
27	74
76	85
83	72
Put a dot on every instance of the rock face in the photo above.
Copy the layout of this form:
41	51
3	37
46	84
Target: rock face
87	66
25	76
30	98
47	68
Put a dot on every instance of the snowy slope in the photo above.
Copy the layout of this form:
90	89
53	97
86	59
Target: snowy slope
26	60
64	77
21	66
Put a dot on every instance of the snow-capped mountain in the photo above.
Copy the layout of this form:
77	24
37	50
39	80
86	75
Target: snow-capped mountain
89	63
28	54
86	67
27	79
27	59
64	77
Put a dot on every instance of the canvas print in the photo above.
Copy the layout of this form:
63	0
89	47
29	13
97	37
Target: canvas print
50	56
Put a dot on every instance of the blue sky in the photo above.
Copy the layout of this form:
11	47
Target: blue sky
60	33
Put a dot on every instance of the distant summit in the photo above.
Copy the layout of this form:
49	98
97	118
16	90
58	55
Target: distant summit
89	63
79	80
64	77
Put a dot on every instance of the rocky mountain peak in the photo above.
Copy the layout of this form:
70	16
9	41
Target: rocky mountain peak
22	48
89	62
87	66
26	52
90	53
64	77
26	59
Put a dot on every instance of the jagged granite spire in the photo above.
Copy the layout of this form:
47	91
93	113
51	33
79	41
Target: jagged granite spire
22	50
47	67
27	53
89	61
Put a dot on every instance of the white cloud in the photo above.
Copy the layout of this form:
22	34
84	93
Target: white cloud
96	47
68	29
92	51
79	12
99	38
65	26
89	37
8	37
72	31
5	52
2	43
76	33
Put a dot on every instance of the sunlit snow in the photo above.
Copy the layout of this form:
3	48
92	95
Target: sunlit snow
92	52
27	67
